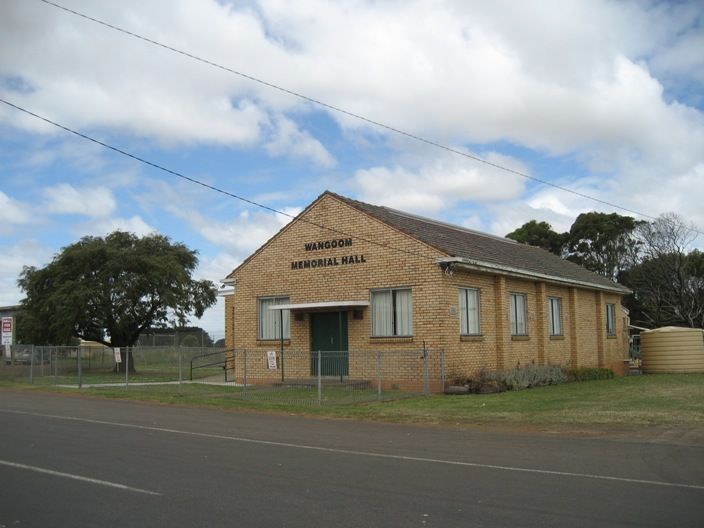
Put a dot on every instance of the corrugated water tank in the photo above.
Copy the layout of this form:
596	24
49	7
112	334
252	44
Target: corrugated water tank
672	349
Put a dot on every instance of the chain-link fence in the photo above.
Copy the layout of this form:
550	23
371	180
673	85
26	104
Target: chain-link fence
288	376
335	376
99	365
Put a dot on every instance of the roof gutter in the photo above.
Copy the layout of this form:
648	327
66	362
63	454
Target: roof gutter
478	265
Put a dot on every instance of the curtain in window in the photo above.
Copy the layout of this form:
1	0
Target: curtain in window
382	313
403	312
555	317
518	314
269	320
610	319
469	311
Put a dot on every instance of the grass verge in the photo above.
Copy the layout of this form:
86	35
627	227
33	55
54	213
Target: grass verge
672	400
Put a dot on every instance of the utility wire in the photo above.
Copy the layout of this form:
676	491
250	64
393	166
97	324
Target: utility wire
351	114
211	187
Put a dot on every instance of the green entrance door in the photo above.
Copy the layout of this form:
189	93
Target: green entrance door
328	336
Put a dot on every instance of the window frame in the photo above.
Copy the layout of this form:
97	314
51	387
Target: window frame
513	312
551	318
610	319
464	320
275	299
394	321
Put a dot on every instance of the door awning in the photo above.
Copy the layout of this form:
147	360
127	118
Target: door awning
320	306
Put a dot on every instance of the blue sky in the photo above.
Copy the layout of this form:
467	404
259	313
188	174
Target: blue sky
605	98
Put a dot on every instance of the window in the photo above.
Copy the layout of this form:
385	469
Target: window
392	313
469	311
555	315
611	319
270	320
518	314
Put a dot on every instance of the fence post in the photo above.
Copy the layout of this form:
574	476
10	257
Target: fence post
56	364
127	366
426	388
320	380
378	375
41	362
244	379
31	365
180	372
80	374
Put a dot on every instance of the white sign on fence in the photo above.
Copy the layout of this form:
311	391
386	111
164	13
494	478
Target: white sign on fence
7	330
118	357
271	359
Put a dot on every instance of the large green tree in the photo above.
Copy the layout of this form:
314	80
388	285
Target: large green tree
604	243
111	289
540	234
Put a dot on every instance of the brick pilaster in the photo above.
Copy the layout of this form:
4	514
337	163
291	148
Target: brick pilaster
541	321
574	328
600	327
501	320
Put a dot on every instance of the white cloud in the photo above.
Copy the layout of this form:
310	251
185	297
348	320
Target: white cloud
550	75
245	233
14	257
289	139
64	198
440	184
12	212
585	79
135	224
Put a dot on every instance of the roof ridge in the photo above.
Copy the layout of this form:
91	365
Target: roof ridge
428	220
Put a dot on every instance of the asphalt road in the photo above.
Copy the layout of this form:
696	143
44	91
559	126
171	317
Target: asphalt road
68	461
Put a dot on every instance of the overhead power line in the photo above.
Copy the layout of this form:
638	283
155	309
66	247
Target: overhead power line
211	187
360	117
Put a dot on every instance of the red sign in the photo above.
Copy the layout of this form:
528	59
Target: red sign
6	331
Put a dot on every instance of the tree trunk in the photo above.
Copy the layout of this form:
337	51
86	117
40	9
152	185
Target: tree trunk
120	367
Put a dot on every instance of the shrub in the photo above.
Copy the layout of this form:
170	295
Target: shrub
587	374
486	382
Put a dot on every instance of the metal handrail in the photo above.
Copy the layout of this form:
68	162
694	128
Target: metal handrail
212	364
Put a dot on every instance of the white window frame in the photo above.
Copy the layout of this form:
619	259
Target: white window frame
555	316
516	329
468	316
264	315
387	323
610	319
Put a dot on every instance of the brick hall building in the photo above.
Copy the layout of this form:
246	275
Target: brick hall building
358	278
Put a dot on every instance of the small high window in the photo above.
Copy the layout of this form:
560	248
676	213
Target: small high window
611	319
517	307
469	311
555	316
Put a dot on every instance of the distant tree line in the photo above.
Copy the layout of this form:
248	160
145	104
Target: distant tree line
654	259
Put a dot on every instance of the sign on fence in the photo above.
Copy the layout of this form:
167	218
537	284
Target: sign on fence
271	359
7	330
118	357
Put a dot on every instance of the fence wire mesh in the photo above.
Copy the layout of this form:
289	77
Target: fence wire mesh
289	376
86	365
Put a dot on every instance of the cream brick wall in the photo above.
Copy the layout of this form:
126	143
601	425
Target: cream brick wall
435	300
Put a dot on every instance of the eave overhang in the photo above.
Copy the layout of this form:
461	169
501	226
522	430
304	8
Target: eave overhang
498	269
